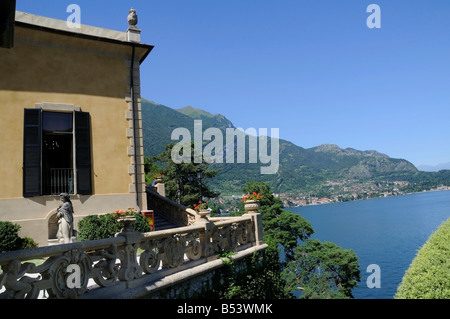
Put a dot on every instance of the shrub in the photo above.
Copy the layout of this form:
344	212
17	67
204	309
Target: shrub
27	243
428	277
141	225
95	227
10	239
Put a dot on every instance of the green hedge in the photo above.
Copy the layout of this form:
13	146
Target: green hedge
95	227
428	276
10	239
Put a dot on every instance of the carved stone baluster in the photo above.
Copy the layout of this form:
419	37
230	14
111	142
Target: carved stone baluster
105	272
129	266
242	233
193	246
233	235
150	259
174	249
205	236
68	274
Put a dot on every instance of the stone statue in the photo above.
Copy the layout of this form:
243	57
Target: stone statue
64	213
132	17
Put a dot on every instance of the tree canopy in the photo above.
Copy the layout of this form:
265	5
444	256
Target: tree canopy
322	270
185	183
284	227
318	269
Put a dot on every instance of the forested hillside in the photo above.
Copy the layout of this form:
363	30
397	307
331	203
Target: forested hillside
323	171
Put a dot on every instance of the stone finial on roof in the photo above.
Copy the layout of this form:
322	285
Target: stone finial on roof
133	32
132	17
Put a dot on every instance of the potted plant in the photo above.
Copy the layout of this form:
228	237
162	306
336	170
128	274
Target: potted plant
201	208
251	201
126	218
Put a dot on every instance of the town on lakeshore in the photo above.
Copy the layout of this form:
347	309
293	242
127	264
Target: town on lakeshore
334	192
342	192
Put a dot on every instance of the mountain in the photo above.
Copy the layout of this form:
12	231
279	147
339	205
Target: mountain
159	121
300	169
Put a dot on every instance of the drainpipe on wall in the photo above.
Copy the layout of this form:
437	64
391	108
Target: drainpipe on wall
133	33
135	134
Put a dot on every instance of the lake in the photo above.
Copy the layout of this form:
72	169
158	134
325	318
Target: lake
386	231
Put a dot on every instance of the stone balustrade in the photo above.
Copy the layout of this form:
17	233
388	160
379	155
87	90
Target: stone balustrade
117	267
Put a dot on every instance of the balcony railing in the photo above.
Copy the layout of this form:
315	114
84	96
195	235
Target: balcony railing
58	180
110	268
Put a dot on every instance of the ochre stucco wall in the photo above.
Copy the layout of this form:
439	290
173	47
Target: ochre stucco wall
54	68
97	83
109	141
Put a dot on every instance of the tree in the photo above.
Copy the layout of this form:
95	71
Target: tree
323	270
182	182
284	227
319	269
261	280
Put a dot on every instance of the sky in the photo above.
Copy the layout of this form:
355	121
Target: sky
311	68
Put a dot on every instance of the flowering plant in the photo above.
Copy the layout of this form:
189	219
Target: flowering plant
200	206
157	176
254	196
128	212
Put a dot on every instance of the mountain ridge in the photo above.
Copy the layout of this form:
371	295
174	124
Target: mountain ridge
300	170
434	168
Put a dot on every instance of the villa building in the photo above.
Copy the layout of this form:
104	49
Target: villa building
71	122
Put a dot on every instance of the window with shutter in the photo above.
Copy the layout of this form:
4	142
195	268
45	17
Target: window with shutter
83	152
32	153
48	164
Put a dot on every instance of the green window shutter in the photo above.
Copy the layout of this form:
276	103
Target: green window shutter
83	153
32	153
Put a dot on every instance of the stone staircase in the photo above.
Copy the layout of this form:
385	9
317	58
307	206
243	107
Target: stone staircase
162	223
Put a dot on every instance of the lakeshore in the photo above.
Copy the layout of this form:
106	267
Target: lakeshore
300	200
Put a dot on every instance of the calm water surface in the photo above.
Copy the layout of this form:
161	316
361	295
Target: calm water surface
384	231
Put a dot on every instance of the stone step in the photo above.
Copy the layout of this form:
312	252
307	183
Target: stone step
162	223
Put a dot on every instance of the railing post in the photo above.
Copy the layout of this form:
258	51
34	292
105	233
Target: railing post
129	266
205	237
160	187
251	207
